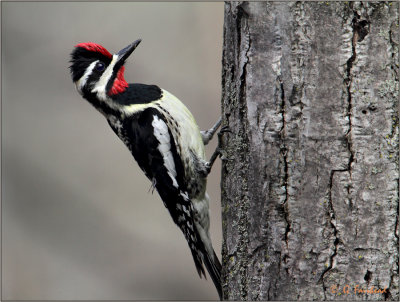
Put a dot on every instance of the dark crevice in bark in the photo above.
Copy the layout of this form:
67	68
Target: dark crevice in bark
394	45
360	31
367	249
387	295
394	67
242	15
283	151
332	222
394	132
348	83
367	277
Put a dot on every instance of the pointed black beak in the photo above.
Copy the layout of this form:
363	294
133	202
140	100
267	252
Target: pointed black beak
123	54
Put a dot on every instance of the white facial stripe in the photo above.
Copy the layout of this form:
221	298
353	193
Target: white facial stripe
162	135
82	81
100	87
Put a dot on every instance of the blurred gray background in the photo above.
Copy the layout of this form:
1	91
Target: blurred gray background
78	221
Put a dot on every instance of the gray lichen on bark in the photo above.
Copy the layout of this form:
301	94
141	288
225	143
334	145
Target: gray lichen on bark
311	194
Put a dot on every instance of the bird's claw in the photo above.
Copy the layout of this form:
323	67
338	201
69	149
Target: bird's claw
223	130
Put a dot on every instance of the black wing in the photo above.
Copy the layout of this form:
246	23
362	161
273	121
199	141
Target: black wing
154	149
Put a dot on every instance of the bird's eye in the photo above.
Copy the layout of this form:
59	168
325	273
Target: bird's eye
100	66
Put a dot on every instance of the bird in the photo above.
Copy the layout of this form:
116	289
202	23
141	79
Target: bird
163	137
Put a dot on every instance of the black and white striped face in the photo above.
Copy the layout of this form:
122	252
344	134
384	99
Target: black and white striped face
95	71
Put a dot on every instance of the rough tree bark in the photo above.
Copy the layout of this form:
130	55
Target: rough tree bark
310	195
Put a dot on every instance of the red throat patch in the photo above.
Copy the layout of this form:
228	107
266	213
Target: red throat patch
119	84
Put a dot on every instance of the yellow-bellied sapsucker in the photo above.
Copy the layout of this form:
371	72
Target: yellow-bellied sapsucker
162	136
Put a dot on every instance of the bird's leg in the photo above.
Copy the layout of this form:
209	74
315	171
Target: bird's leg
219	151
207	135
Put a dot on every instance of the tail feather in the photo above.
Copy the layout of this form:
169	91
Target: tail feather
198	262
197	238
214	268
212	264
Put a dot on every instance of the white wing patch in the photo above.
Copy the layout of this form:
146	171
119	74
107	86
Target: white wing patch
162	135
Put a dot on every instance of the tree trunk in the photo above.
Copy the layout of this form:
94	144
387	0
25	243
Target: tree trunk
310	194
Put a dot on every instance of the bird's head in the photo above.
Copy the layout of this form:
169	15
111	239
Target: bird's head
95	70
